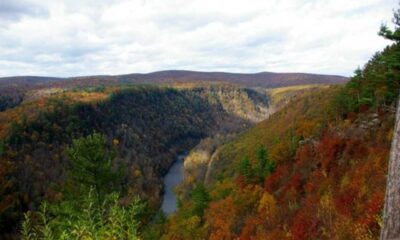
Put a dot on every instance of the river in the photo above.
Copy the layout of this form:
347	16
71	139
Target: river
173	178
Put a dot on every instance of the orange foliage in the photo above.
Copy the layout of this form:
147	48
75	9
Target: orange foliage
221	216
332	188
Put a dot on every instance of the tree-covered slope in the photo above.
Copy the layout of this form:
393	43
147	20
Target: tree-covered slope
147	126
14	89
316	169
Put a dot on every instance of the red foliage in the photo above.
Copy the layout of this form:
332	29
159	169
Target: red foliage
273	180
363	108
355	149
351	116
295	181
240	181
222	216
344	201
313	182
328	151
304	156
304	226
250	227
372	209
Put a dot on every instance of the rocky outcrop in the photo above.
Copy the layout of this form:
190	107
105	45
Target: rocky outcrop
197	163
251	104
391	215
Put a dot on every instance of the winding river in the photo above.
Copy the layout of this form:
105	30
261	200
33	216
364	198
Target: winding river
171	180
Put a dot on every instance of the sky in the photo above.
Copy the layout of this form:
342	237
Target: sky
94	37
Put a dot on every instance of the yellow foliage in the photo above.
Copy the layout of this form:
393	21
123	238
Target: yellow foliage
345	182
279	94
267	207
362	233
137	173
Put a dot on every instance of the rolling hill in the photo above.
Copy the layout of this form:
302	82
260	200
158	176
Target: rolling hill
262	79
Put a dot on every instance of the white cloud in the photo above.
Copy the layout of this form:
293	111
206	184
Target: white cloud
88	37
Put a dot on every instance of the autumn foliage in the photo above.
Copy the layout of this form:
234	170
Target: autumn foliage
328	180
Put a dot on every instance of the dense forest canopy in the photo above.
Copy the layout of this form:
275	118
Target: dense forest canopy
88	163
143	128
314	170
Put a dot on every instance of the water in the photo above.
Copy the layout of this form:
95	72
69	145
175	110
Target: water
171	180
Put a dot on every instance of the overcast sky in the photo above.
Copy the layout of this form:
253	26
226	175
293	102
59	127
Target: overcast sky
90	37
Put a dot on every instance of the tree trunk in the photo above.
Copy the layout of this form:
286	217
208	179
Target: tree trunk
391	214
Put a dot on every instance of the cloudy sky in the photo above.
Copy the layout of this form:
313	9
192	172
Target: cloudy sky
90	37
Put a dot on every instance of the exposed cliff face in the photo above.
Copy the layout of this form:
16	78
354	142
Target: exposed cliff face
391	215
245	103
197	162
254	105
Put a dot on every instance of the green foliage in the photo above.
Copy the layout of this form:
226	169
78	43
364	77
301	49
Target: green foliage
85	220
264	164
123	222
155	229
257	173
245	169
92	209
377	84
45	230
320	189
200	198
146	122
15	133
91	165
27	232
393	35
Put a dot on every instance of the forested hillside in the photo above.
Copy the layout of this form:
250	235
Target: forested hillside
146	126
84	158
314	170
14	90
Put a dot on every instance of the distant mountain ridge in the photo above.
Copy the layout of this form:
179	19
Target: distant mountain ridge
13	90
262	79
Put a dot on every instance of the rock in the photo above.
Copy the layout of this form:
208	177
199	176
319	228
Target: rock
376	121
391	213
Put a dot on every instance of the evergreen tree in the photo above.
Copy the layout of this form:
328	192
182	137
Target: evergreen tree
91	166
264	165
262	159
200	198
94	211
245	169
389	34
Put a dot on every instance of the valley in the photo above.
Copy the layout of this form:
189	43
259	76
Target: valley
147	126
199	120
247	151
224	130
176	155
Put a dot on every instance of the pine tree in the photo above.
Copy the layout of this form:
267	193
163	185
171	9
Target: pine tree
389	34
94	211
200	198
245	169
91	166
264	165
